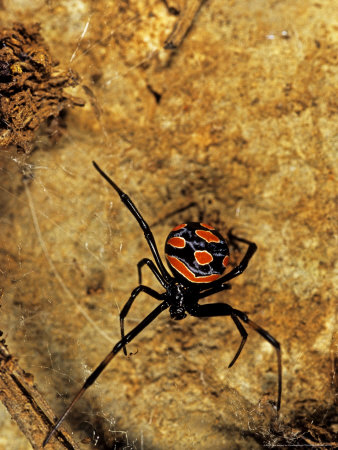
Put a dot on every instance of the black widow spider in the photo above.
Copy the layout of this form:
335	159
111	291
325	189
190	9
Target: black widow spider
197	255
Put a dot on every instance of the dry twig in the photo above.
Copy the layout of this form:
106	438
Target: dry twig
183	24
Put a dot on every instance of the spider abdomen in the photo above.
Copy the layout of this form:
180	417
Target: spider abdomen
196	253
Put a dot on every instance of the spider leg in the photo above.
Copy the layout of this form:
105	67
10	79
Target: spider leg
244	335
267	336
252	247
153	268
130	301
223	309
92	378
143	224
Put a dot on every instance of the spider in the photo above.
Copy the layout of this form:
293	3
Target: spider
197	256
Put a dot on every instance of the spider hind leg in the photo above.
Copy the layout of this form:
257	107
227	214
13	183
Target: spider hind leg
223	309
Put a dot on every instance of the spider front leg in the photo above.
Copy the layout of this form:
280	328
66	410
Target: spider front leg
153	268
130	301
126	200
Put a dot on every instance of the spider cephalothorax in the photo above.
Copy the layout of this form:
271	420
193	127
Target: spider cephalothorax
176	296
197	255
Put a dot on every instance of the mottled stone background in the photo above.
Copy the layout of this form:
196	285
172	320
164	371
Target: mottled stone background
240	119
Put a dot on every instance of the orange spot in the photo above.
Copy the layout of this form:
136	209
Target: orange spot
205	225
207	236
203	257
179	227
183	270
225	261
176	242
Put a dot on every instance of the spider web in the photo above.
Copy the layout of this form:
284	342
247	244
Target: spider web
69	249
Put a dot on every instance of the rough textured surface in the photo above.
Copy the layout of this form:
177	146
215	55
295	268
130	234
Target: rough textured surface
242	120
31	89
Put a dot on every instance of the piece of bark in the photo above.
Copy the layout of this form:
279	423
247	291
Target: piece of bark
25	404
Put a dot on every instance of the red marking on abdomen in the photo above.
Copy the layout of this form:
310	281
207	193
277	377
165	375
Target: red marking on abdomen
207	236
203	257
179	227
176	242
186	273
225	261
205	225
